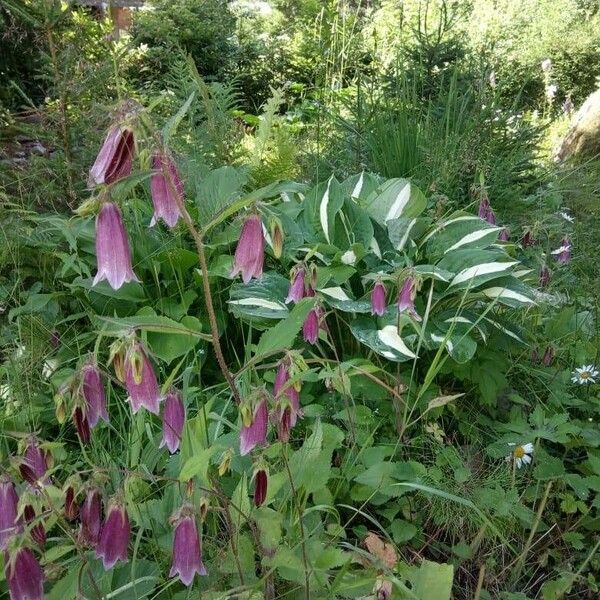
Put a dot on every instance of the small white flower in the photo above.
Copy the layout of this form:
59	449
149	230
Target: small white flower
585	374
349	258
567	217
522	454
546	65
551	91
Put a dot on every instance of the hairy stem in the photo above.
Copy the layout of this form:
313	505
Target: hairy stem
212	317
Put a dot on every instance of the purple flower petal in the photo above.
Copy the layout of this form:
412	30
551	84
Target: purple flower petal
112	248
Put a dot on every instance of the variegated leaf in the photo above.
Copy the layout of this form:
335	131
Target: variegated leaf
385	341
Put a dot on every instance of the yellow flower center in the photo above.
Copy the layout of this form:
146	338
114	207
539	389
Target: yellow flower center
584	374
519	452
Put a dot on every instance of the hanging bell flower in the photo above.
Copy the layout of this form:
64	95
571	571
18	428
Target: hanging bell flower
296	290
504	235
255	419
112	248
115	158
91	518
24	575
93	393
37	531
311	325
250	251
140	380
81	424
71	510
261	484
173	421
34	465
406	298
378	304
548	357
187	547
8	511
287	398
114	536
166	189
563	253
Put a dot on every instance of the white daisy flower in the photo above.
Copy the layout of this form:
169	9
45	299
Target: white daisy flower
585	374
522	454
567	217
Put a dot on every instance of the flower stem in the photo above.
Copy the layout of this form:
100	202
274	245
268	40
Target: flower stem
536	523
212	318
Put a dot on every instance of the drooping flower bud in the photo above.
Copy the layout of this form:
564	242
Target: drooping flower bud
406	298
115	159
503	237
173	421
261	484
527	239
486	212
563	253
544	277
91	518
548	357
166	190
310	327
484	207
187	547
24	576
225	463
71	511
8	511
60	406
93	393
254	423
382	589
81	424
113	256
140	380
296	291
250	251
34	465
276	237
378	299
114	537
37	531
535	356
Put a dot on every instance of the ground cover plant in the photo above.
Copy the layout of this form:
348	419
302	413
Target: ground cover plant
333	337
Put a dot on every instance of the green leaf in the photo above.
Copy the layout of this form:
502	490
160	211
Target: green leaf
283	334
218	191
321	206
197	465
171	125
432	581
402	531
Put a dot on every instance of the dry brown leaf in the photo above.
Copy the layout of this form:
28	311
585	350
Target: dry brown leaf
385	552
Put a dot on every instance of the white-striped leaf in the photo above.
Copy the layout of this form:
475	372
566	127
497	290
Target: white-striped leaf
321	206
394	199
459	344
262	299
510	292
462	233
360	186
338	298
385	341
475	267
434	272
